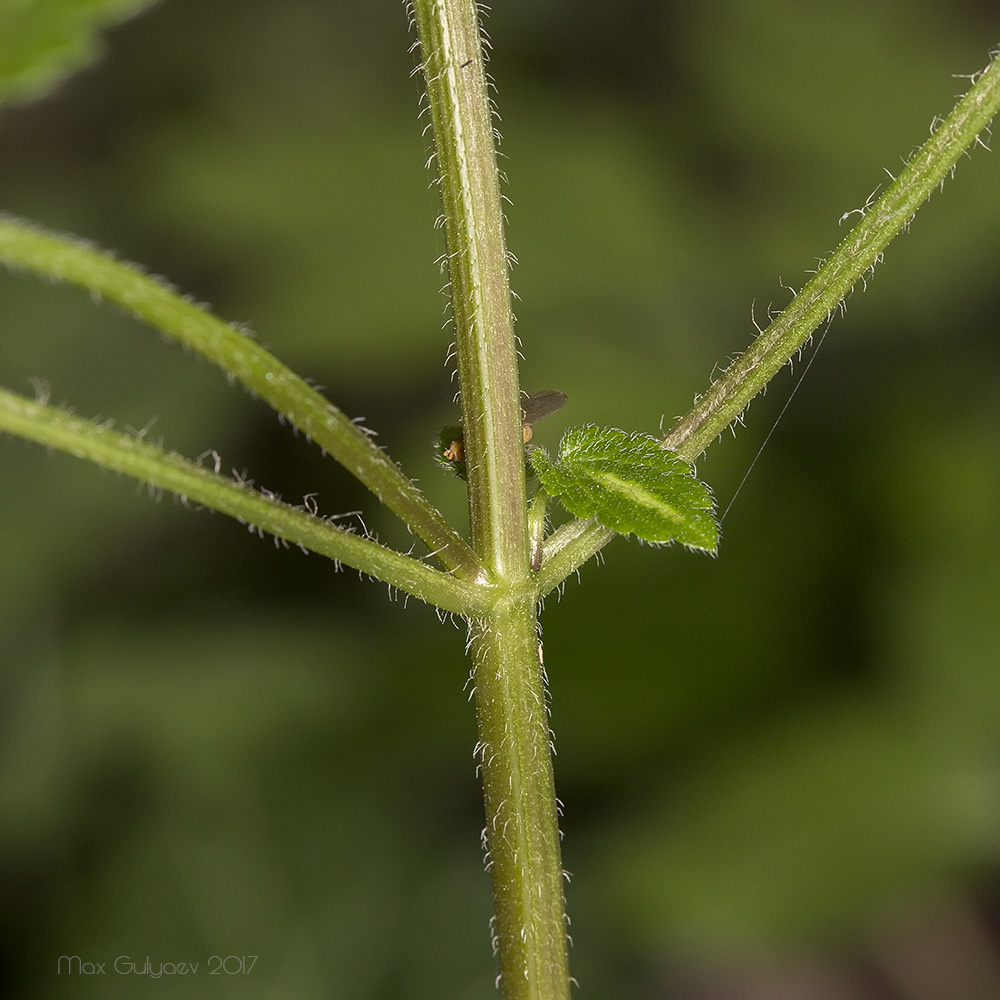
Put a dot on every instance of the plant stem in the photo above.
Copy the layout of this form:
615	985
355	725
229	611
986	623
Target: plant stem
514	741
522	832
568	548
480	290
170	471
857	254
575	542
23	246
537	511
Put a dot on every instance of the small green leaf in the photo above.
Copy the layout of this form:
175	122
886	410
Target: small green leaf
631	484
42	41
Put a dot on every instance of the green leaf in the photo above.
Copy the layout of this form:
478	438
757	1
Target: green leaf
631	484
42	41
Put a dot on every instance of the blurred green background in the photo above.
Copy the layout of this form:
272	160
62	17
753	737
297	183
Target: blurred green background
779	767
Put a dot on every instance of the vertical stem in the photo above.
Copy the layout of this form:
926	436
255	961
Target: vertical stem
477	263
514	742
522	833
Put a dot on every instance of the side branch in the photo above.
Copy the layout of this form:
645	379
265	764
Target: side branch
575	542
25	247
856	255
169	471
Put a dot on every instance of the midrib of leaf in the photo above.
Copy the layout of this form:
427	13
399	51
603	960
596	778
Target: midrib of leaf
633	491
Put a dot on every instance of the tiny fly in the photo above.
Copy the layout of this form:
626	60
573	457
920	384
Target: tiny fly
538	406
535	407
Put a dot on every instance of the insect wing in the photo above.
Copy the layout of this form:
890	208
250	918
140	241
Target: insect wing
540	405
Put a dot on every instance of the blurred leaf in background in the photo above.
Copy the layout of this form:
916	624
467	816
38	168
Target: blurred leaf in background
210	746
42	41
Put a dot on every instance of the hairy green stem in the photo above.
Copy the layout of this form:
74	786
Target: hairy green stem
574	543
522	834
451	50
25	247
857	254
568	548
169	471
514	741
